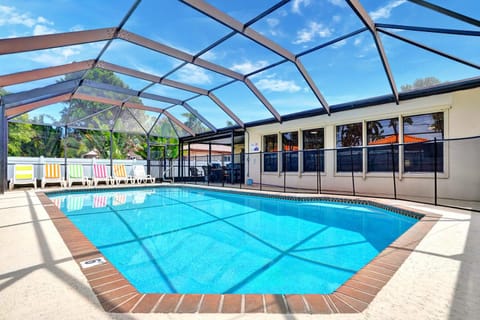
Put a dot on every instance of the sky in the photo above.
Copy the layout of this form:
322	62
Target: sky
345	71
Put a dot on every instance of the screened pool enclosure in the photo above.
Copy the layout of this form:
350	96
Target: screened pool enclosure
192	71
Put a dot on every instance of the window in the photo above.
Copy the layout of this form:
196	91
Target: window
380	135
290	151
270	163
313	156
349	135
418	135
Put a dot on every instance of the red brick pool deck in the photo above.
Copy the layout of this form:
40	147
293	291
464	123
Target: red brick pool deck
117	295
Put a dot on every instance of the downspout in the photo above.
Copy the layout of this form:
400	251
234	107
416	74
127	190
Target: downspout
65	150
111	152
148	154
3	148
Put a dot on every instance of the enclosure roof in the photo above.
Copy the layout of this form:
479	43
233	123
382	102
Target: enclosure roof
188	68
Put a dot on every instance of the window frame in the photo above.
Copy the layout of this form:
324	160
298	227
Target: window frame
316	152
346	149
271	155
288	156
443	172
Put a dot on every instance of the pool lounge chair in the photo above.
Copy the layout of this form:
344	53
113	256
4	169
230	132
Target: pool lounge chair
52	173
75	174
100	174
140	176
120	174
23	174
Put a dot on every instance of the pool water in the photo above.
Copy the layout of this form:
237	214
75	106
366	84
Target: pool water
189	240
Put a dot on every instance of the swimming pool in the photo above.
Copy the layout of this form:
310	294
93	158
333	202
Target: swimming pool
185	240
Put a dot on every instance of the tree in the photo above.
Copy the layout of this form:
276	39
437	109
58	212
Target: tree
350	135
420	83
98	119
194	123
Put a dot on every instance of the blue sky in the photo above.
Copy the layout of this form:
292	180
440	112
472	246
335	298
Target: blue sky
346	71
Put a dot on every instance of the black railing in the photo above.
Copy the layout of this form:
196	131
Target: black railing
440	172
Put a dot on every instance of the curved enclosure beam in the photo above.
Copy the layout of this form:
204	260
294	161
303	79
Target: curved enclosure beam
178	123
226	109
230	22
264	100
18	110
24	44
175	53
367	20
199	116
447	12
438	52
37	74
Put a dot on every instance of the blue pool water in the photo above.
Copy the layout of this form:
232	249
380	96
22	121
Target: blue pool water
186	240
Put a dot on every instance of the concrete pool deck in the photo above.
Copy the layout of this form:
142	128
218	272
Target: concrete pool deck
39	279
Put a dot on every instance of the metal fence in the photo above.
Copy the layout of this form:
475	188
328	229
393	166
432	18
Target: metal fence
440	172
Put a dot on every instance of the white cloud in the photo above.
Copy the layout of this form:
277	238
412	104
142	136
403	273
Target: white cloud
44	21
210	55
384	12
192	74
358	41
297	3
338	3
277	85
273	22
10	16
313	30
40	29
55	56
337	18
77	27
249	66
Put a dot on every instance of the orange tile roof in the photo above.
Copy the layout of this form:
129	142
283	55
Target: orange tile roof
394	139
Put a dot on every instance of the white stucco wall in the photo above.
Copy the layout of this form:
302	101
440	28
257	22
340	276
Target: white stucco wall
461	179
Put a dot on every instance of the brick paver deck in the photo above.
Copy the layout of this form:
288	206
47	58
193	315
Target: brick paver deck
116	294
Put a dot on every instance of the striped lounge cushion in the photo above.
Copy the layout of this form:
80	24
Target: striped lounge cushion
119	170
52	171
24	172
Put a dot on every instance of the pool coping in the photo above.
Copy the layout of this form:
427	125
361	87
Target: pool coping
116	294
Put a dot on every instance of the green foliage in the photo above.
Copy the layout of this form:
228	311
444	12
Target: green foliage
420	83
33	140
194	123
97	119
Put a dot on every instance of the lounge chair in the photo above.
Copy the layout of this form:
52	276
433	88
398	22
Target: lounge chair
120	174
23	174
75	174
194	172
52	173
100	174
140	176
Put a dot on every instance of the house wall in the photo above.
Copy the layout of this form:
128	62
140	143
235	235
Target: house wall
460	180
